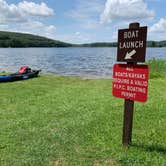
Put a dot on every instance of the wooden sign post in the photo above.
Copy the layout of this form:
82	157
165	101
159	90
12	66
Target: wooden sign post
127	122
130	81
128	110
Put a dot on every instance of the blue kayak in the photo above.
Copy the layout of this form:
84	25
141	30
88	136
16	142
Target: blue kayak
5	78
19	76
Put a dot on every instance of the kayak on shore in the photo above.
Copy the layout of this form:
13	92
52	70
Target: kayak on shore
24	73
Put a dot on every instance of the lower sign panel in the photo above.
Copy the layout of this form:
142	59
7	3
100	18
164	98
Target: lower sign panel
130	82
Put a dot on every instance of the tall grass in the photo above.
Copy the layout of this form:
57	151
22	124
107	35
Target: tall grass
157	68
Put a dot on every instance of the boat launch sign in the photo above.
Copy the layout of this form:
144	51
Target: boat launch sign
132	45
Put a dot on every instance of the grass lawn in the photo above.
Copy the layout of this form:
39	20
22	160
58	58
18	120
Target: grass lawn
53	120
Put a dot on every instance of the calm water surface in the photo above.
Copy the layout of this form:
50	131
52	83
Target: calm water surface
82	62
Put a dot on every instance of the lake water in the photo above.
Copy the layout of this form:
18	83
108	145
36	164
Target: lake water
82	62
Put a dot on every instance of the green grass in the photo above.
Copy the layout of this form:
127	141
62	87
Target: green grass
51	119
157	68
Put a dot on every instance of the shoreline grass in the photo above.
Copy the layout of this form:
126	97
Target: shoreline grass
53	119
157	68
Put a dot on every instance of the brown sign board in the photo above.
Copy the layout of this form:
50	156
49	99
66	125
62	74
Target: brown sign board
132	45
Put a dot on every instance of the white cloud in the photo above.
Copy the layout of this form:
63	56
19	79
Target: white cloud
10	13
125	9
159	27
20	12
77	33
17	17
3	27
32	27
157	31
115	36
77	37
35	9
87	13
38	28
85	9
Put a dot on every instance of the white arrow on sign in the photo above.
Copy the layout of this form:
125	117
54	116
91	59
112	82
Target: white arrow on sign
130	54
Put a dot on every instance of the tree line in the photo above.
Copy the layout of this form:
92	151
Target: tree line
12	39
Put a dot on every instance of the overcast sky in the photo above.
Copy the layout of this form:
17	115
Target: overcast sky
83	21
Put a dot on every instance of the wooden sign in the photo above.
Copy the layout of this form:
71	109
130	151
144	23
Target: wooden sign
130	82
132	45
